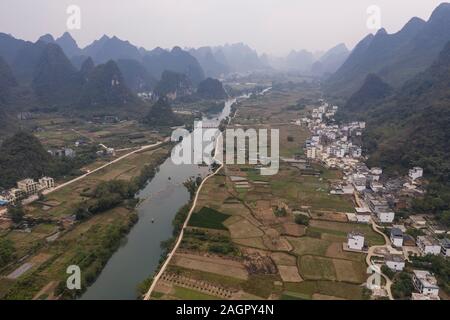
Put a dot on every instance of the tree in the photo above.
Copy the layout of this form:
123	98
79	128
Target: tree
16	213
402	287
388	271
7	252
302	219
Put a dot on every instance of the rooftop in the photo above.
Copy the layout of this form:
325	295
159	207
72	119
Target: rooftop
396	232
427	279
394	257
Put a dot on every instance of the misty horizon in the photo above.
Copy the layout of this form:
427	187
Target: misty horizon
204	23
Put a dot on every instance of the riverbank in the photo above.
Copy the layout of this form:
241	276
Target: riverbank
49	248
164	196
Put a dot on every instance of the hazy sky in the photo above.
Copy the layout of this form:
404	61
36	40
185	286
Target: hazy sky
271	26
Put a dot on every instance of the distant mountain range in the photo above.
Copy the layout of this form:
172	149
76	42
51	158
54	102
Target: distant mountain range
107	73
409	126
394	57
308	63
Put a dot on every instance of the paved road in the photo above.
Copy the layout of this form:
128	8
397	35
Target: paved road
180	236
48	191
104	166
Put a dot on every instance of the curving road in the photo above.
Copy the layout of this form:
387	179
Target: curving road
180	236
371	253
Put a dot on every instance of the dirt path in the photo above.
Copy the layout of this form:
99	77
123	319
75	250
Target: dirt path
180	236
371	253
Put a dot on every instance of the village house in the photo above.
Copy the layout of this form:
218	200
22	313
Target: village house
362	216
445	247
428	245
397	237
419	296
395	262
415	173
355	241
61	153
47	183
417	221
425	283
29	186
385	215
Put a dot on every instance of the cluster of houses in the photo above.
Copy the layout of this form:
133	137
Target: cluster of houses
25	188
337	146
424	282
62	153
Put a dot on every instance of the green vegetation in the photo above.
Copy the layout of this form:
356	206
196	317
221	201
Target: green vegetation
280	212
7	252
438	265
16	213
402	287
173	82
161	114
35	161
202	240
418	113
208	218
261	285
90	252
106	88
388	271
21	156
211	89
301	219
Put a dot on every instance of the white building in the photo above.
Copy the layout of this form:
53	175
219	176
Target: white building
375	185
376	171
425	283
386	216
47	183
311	152
397	237
355	241
445	247
415	173
363	217
395	262
428	245
29	186
348	189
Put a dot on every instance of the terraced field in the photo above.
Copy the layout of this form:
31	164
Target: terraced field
281	259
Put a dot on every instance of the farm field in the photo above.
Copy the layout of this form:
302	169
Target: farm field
57	240
254	217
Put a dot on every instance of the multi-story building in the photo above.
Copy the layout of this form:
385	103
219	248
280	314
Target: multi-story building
395	262
428	245
445	247
397	237
386	215
425	283
355	241
29	186
47	183
415	173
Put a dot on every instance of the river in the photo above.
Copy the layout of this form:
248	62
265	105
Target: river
139	255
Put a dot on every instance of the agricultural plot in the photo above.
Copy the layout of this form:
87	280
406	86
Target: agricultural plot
208	218
308	261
